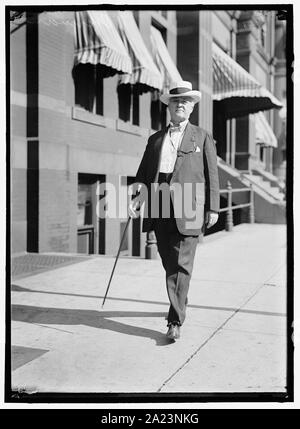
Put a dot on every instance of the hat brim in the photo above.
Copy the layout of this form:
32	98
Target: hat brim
195	95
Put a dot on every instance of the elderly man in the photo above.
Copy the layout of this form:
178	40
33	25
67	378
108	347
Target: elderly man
182	157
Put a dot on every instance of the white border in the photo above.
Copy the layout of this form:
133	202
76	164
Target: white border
199	406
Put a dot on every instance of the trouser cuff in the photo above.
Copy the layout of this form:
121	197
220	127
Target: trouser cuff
176	322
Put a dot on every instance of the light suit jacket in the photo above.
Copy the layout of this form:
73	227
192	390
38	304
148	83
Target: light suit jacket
197	167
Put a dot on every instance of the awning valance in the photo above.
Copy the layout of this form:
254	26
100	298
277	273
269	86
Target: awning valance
145	71
97	41
236	91
163	59
263	132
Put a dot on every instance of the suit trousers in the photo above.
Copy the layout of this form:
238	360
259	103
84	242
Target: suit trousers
177	252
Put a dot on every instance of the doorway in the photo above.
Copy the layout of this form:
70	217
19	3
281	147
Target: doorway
132	241
90	228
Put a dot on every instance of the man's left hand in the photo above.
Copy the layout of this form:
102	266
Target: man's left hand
211	219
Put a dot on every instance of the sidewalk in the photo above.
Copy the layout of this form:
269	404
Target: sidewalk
233	340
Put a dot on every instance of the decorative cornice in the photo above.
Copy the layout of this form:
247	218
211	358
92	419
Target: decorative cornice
251	19
235	14
259	18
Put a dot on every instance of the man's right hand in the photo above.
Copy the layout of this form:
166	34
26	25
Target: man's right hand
134	208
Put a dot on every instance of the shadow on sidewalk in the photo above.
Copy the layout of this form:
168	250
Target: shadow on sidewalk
16	288
92	318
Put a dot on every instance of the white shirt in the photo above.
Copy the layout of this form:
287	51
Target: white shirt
171	144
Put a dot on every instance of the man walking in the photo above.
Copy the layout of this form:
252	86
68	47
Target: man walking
181	157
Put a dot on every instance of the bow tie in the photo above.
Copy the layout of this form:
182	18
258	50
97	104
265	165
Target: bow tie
175	128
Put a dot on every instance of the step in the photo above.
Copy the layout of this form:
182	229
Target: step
266	186
270	177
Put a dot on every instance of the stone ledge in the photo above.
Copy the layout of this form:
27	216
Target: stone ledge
83	115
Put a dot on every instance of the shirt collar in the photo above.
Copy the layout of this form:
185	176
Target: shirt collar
182	125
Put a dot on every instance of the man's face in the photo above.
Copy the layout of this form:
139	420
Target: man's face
180	108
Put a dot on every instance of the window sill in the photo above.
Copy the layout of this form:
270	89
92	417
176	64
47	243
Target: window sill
126	127
83	115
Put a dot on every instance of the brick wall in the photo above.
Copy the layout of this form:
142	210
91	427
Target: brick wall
67	146
58	205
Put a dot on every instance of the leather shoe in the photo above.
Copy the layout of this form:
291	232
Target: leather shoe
173	332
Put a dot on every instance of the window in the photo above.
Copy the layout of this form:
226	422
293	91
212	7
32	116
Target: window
261	153
158	112
84	205
263	36
128	96
158	109
129	103
88	81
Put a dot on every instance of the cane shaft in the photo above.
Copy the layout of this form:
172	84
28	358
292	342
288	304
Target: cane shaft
117	257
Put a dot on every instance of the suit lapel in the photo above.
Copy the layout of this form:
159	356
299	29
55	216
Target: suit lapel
187	145
157	153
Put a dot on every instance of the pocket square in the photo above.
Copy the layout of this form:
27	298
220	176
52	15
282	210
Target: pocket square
197	149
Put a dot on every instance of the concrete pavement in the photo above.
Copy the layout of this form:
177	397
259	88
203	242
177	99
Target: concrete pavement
233	340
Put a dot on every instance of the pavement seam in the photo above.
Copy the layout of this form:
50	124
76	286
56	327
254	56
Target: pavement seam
268	281
208	339
51	327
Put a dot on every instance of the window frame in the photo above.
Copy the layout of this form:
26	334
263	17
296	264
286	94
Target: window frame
157	108
88	88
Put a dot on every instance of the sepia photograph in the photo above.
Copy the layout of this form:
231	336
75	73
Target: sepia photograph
150	203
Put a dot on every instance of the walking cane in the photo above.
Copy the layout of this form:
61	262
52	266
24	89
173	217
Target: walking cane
122	239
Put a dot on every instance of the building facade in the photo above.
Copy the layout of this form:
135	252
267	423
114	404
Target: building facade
80	119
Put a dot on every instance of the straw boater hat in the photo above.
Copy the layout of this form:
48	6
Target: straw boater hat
182	89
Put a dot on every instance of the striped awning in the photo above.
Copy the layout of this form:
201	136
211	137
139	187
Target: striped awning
236	91
263	132
163	59
145	71
97	41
